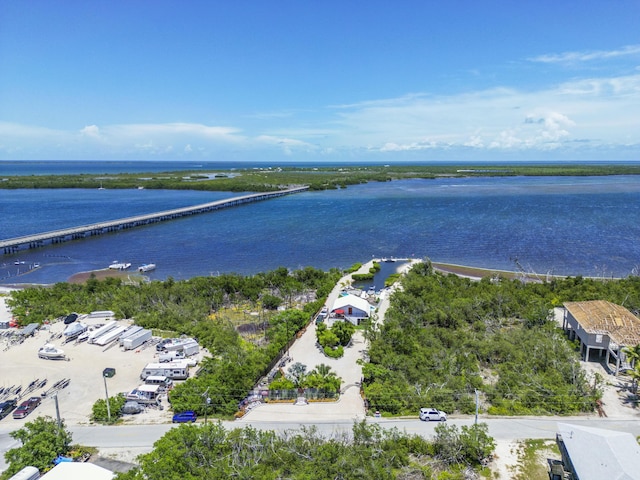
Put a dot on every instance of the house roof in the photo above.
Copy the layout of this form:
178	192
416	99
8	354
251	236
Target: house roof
597	453
77	471
602	317
353	301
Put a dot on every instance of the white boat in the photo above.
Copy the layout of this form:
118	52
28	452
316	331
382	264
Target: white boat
51	352
147	267
119	265
74	329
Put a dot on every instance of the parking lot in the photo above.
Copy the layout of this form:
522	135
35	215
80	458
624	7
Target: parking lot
79	378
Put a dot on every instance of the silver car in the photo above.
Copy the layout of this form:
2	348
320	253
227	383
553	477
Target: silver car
432	414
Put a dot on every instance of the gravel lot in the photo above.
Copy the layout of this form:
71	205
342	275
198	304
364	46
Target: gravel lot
20	365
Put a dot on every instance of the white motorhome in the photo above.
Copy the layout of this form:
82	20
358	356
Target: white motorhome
173	370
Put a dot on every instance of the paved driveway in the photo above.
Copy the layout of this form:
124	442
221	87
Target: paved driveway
350	406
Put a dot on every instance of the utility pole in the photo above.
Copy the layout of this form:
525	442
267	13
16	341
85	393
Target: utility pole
55	398
207	401
476	422
106	392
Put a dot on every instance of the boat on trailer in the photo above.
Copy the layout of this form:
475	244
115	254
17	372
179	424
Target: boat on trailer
51	352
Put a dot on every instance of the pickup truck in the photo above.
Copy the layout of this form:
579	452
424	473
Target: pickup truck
26	407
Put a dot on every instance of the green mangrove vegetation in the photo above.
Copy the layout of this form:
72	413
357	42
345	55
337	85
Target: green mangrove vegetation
317	178
445	338
369	452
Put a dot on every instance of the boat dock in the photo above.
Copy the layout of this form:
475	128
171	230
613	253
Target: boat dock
12	245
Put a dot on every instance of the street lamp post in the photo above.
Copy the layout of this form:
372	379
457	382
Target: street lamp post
207	402
106	392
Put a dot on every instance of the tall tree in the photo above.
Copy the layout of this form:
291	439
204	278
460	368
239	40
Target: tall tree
42	441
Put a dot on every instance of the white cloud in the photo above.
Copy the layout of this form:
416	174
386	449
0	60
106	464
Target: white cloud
91	131
288	145
596	114
587	56
161	130
600	110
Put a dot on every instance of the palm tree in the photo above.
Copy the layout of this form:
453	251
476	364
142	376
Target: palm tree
323	378
633	357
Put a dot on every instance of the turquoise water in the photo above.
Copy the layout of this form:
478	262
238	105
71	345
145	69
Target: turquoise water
560	225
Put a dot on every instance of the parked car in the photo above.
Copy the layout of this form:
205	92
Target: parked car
26	407
161	344
184	417
6	407
432	414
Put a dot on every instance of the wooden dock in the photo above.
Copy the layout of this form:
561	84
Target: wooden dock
12	245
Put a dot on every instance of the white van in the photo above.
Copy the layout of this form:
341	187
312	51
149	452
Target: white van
164	382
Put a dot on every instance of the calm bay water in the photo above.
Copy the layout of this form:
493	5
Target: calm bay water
562	225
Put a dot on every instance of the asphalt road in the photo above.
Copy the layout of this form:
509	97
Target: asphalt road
142	437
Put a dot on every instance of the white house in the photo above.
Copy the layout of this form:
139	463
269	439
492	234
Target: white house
352	308
77	471
594	453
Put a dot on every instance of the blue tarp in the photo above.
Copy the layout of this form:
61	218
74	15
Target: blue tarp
60	459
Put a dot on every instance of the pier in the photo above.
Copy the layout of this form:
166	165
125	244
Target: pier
37	240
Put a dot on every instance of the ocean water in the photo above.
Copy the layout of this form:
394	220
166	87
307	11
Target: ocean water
558	225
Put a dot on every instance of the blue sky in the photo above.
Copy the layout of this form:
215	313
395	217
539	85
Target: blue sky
312	81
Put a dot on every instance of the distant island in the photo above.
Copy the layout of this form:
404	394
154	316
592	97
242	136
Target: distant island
267	179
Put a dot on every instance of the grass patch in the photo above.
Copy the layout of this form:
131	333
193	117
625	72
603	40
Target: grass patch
532	459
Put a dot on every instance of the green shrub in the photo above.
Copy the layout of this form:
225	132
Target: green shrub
336	352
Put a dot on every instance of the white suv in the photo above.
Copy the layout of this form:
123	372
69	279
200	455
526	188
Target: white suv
428	414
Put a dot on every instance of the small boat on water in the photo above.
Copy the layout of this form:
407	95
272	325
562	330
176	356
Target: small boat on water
147	267
119	265
51	352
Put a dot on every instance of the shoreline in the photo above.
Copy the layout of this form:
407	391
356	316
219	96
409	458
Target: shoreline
474	273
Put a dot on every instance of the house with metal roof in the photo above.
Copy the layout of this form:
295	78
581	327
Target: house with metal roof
352	308
79	471
594	453
602	326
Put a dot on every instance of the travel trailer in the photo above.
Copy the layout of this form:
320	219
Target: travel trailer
137	339
173	370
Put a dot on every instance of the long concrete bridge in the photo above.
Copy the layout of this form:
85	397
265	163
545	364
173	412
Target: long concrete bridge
12	245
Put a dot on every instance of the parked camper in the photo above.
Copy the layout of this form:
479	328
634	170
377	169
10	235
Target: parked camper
137	339
27	473
173	370
131	331
191	348
176	344
164	382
